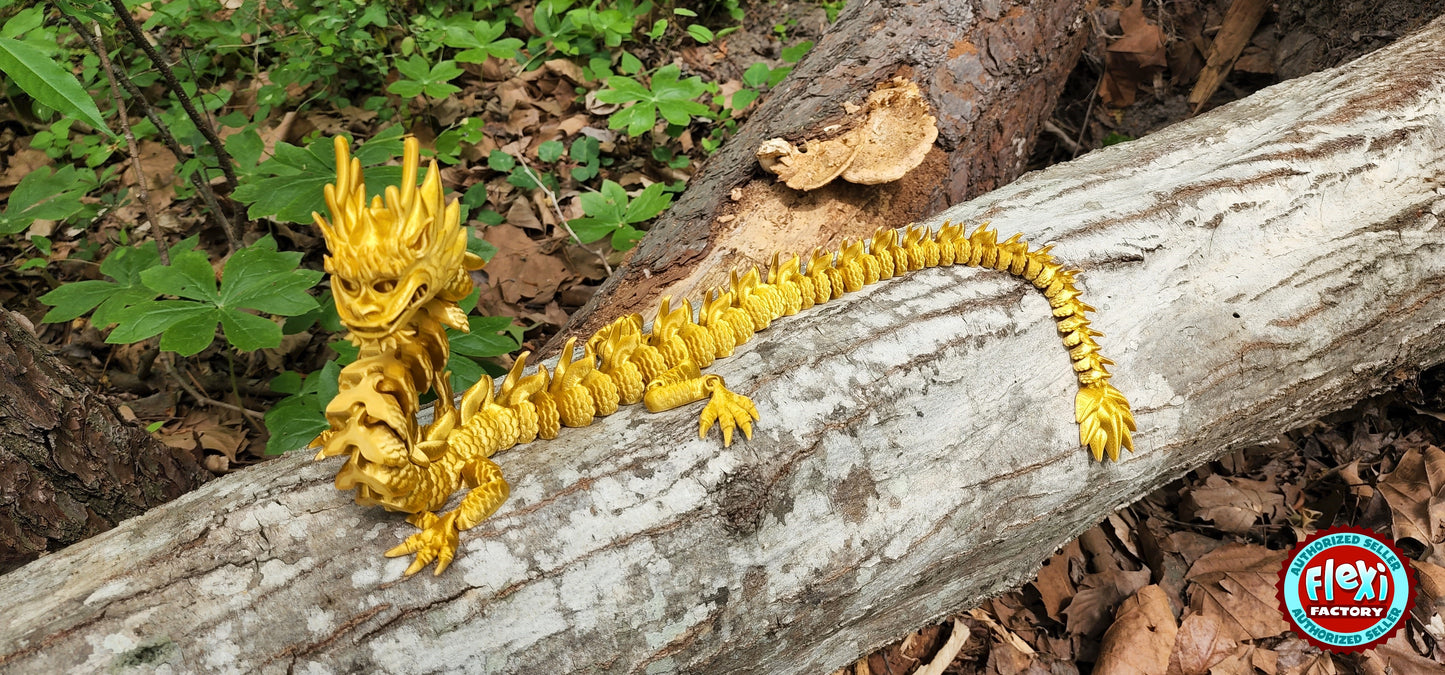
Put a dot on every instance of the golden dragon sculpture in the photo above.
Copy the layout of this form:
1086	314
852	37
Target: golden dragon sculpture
399	264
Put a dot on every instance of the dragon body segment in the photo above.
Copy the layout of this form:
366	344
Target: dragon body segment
399	266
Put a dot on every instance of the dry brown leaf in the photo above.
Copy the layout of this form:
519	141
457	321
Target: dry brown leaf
1132	59
1431	580
1099	594
1314	664
521	215
1142	636
524	272
1397	656
1246	658
1236	583
1232	504
1415	491
1191	545
1055	582
22	164
1202	641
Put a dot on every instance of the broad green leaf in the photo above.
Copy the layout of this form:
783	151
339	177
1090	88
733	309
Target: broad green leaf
484	340
743	97
298	175
78	297
647	204
756	75
700	33
482	41
43	195
294	422
500	161
637	120
188	276
248	332
119	305
550	151
589	230
626	237
414	68
621	89
246	147
630	64
189	336
680	112
406	88
45	81
145	319
288	382
261	278
795	53
464	372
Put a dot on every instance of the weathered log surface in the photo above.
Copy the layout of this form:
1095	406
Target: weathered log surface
69	466
991	70
1254	268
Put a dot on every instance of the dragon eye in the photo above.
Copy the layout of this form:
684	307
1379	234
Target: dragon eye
384	286
348	285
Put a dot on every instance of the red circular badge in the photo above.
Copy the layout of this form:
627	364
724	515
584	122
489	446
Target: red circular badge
1346	589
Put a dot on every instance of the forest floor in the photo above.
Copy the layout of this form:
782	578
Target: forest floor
1203	551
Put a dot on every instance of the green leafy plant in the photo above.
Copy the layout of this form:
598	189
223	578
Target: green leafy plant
482	40
586	151
420	78
43	79
611	212
295	420
42	194
258	278
288	186
795	53
668	96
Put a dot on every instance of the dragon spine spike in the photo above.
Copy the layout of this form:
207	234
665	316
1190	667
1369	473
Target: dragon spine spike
399	265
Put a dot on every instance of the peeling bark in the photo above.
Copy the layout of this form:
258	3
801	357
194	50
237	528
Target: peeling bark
991	72
1254	268
69	467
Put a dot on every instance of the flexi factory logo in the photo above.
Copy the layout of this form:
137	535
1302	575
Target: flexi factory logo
1346	589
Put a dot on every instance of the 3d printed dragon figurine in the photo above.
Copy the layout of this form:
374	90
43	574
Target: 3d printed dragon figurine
399	264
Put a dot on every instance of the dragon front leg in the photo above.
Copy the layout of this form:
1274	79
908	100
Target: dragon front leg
727	409
437	539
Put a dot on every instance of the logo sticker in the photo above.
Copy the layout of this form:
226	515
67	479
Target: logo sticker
1346	589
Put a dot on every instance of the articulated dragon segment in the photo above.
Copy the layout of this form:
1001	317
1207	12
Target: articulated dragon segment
399	265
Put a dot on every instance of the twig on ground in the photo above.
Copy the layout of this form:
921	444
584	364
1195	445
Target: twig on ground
204	399
1062	136
552	199
956	640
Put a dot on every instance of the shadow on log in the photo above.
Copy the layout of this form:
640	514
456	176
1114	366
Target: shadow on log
1254	268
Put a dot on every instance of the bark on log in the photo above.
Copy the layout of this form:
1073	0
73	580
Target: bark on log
1259	266
69	466
991	72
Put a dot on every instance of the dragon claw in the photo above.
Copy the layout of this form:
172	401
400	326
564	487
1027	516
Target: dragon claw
728	410
437	541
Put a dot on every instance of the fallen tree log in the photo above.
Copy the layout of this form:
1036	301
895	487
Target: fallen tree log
1269	262
69	465
991	72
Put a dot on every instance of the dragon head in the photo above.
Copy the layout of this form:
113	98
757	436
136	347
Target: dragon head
391	256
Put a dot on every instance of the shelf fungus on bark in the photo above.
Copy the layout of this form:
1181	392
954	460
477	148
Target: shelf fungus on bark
893	134
398	265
